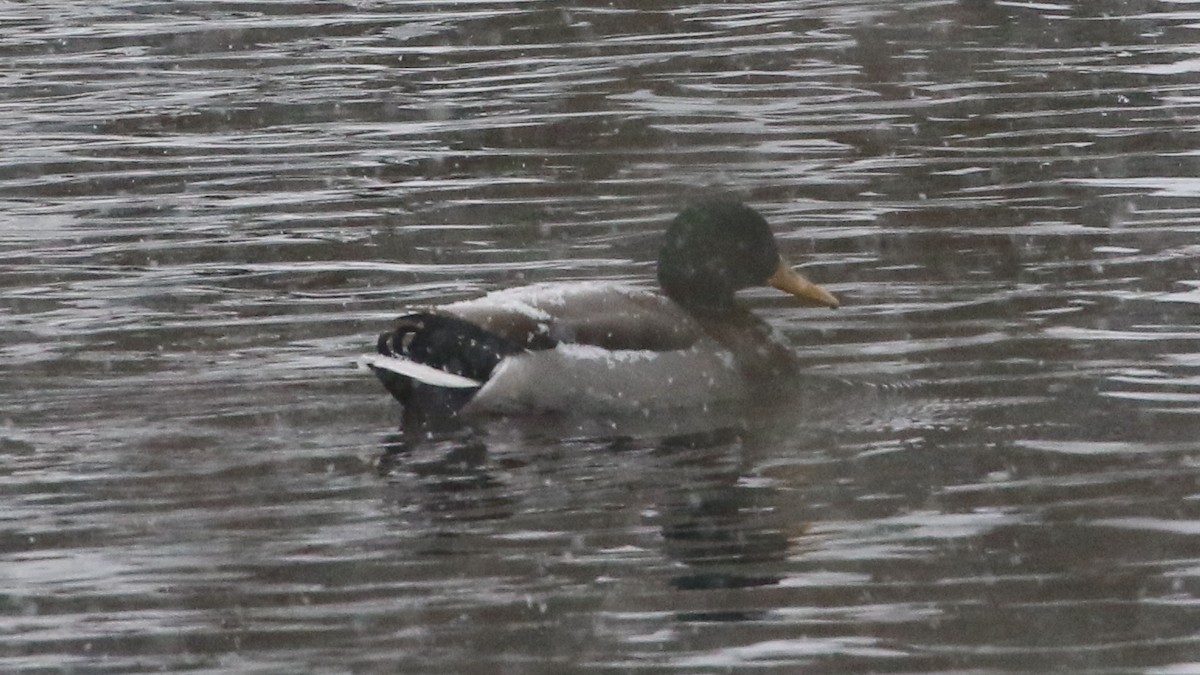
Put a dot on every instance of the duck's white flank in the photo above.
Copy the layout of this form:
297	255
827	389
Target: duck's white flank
581	377
419	371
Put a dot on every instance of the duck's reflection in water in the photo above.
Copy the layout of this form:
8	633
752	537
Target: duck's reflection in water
719	524
694	485
448	472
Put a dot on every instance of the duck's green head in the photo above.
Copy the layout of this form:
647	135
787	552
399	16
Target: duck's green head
717	246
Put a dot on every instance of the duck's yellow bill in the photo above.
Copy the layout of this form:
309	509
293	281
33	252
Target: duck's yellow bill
790	281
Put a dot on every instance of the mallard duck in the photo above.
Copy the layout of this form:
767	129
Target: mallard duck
588	346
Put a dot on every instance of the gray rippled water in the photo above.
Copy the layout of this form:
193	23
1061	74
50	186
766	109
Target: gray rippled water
209	209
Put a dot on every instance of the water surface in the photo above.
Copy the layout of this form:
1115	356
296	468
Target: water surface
209	209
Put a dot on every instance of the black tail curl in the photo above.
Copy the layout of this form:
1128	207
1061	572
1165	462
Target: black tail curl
446	343
443	342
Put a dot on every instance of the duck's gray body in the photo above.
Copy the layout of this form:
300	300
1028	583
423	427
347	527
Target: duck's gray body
588	347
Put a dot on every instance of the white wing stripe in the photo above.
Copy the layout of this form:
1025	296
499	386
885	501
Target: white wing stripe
418	371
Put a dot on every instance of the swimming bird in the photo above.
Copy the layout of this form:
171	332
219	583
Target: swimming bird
591	347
